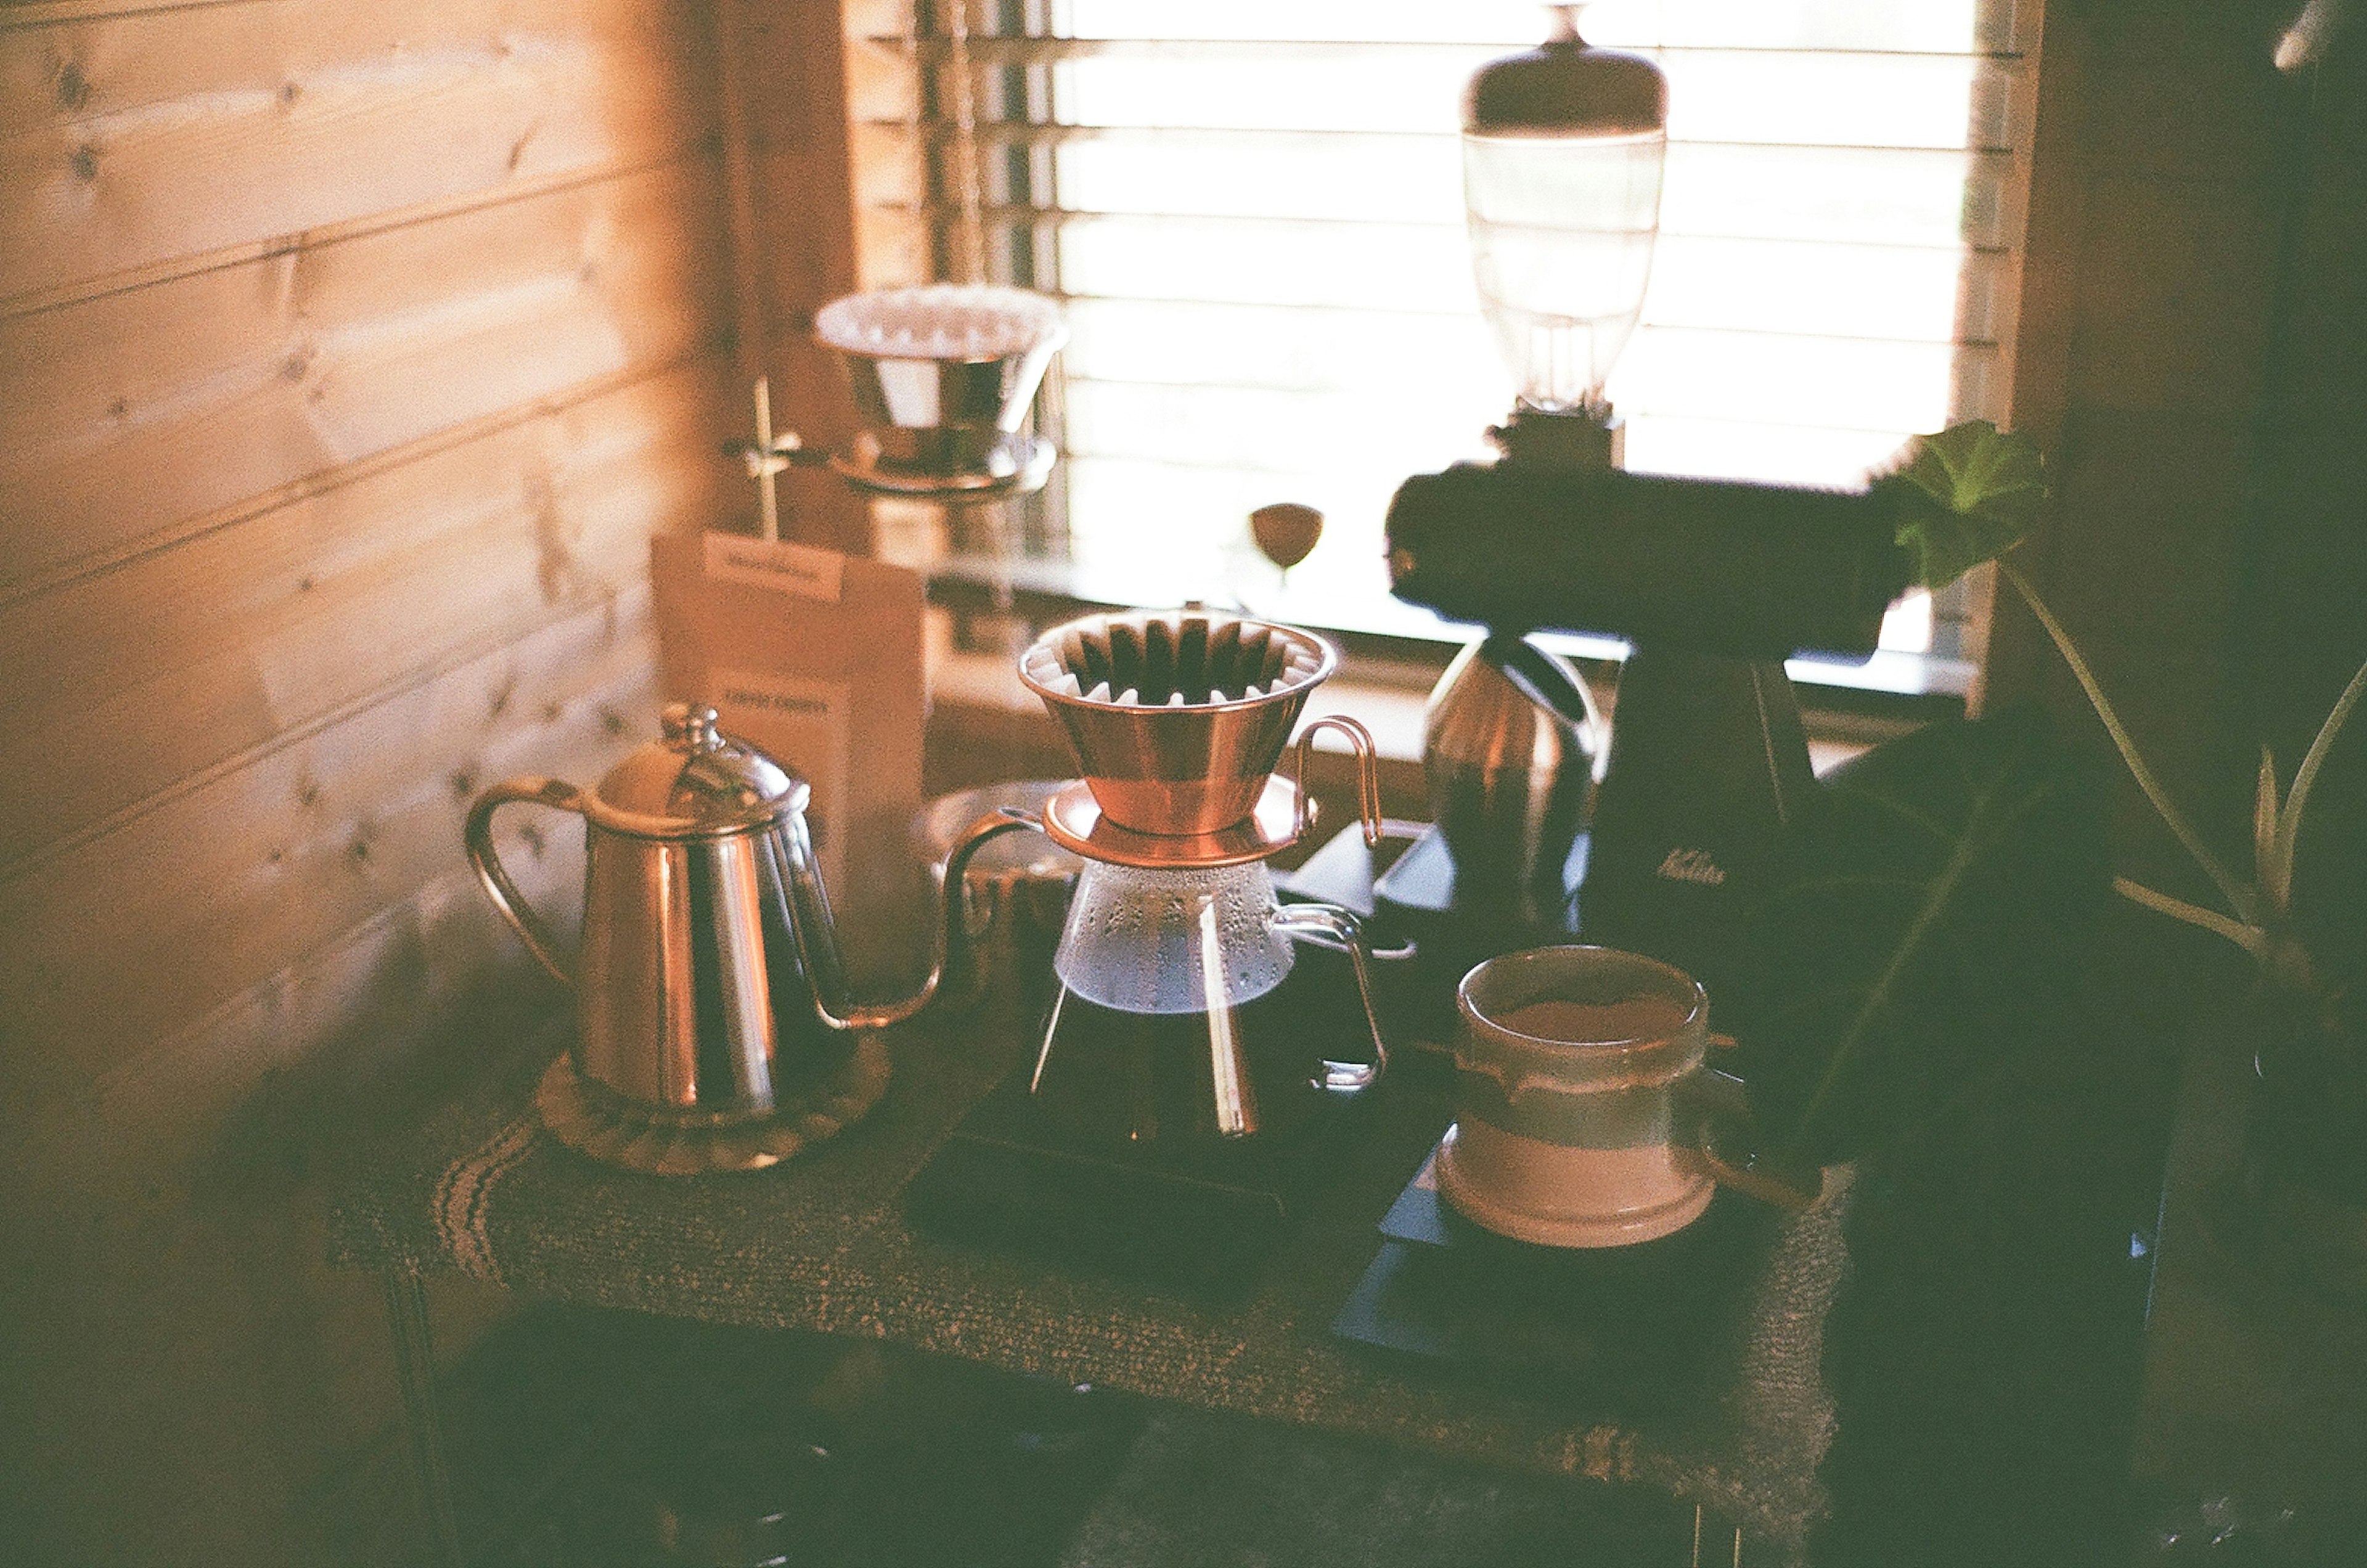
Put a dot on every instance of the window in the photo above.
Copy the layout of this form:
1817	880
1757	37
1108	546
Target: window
1253	210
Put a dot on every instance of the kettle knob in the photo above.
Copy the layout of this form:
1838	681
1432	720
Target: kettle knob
692	727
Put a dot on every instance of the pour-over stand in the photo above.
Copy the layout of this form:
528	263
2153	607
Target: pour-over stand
942	377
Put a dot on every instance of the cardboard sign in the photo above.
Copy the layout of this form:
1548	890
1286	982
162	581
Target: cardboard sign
801	569
814	658
806	725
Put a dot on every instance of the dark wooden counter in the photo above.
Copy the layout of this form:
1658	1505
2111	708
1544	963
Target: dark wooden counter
821	1243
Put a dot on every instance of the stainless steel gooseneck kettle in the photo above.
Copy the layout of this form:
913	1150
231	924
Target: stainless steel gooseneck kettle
1511	750
714	1027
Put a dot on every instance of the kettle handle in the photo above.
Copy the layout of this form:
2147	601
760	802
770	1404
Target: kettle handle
487	862
951	948
1546	680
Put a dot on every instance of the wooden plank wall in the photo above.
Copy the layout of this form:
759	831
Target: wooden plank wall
349	355
792	203
2306	589
2148	295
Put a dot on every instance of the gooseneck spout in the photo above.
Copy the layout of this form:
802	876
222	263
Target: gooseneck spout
950	950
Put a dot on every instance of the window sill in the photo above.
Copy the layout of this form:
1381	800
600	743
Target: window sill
1392	657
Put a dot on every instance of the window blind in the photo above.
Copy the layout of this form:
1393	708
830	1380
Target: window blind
1254	214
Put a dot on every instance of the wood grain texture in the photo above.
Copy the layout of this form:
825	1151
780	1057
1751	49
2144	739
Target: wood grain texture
128	140
2176	298
113	948
2147	292
803	270
881	83
185	1307
795	103
2306	573
751	329
134	417
349	356
169	1140
893	243
258	628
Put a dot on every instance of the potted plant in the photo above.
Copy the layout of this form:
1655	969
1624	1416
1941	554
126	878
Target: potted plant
1972	493
1925	1009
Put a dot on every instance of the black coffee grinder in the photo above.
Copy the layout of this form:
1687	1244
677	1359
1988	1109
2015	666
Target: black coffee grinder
1712	584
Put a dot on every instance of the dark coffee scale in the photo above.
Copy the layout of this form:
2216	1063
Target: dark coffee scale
1619	1330
1181	1206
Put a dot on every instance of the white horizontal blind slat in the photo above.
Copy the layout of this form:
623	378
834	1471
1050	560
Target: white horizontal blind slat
1782	286
1627	24
1822	194
1253	208
1750	96
1309	48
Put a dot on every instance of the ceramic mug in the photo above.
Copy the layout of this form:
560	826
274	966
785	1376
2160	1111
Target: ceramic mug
1584	1115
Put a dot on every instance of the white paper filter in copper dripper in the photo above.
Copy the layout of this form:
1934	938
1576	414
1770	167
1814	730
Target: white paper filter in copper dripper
1178	719
942	377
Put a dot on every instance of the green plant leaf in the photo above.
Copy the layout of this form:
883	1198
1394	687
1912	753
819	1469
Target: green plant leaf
2241	897
1964	496
2264	835
2251	939
2278	874
2325	918
1933	903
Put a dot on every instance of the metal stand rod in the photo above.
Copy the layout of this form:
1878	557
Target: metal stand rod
415	1366
1698	1560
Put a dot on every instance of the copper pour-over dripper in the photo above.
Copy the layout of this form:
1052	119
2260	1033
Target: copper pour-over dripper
1178	719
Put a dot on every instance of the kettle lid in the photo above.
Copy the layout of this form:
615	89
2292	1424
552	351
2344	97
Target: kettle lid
696	781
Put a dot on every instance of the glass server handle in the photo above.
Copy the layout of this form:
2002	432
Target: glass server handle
1328	925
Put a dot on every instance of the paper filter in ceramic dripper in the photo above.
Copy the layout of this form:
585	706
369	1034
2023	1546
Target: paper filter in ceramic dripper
942	377
1178	718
